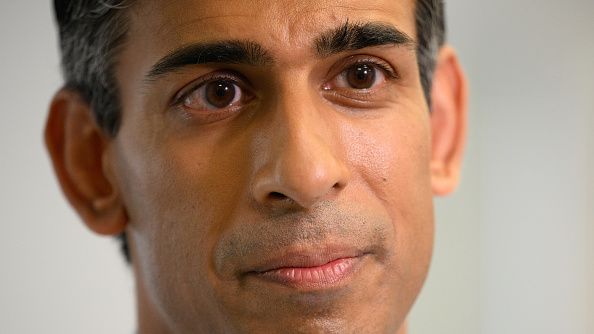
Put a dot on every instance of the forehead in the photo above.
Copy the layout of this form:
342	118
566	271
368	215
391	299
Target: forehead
278	25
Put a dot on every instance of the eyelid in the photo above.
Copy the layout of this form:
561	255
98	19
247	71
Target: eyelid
231	76
353	60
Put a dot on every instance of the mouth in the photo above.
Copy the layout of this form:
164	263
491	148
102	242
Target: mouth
309	270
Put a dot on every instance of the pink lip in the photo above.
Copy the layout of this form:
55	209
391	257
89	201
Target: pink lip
310	270
324	275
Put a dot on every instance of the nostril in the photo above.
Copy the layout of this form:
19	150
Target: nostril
276	196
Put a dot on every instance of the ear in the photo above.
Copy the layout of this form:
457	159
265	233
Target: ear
80	156
448	122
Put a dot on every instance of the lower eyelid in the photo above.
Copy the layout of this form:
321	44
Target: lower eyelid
378	68
203	80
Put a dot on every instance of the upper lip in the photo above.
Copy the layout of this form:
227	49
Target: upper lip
304	257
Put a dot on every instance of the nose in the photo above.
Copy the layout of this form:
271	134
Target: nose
303	161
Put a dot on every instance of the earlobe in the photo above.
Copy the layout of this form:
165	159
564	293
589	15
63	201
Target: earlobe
80	156
448	122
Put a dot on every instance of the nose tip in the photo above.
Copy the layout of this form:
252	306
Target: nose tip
301	159
299	181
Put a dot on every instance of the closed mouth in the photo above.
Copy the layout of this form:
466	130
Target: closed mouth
309	270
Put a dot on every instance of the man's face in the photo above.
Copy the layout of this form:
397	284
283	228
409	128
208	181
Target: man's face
284	186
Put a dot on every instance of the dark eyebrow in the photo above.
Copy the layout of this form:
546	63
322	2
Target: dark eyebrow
355	36
228	52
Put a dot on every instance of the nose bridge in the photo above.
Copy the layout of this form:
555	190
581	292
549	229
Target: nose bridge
303	130
304	161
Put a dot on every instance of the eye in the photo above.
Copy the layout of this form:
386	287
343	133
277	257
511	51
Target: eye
360	76
214	94
361	82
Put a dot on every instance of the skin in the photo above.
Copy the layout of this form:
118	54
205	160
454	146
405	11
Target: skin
294	167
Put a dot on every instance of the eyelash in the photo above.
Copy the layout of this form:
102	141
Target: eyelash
375	62
237	79
230	76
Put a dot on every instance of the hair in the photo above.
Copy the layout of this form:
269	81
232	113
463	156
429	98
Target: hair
92	33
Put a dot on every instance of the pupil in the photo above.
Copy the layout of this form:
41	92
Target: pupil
361	76
220	93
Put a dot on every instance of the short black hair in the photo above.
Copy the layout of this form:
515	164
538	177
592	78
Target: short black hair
92	32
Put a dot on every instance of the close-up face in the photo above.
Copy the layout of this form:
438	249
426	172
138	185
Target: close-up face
275	164
285	192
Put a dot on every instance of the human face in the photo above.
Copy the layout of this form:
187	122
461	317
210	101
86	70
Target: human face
282	188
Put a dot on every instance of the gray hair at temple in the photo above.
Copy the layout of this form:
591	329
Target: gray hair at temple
92	33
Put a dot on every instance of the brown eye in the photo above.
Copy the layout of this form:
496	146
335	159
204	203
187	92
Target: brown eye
364	77
220	94
215	94
360	83
361	76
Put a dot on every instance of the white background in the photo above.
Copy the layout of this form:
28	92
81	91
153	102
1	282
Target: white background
515	245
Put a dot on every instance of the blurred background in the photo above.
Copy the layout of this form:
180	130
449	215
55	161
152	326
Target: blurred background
514	246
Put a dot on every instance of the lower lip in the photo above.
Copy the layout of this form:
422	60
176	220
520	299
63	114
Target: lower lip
325	275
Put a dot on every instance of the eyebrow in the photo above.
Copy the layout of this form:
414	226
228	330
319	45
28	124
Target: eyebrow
346	37
227	52
355	36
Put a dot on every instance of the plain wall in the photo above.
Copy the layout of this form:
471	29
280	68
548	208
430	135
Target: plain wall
514	246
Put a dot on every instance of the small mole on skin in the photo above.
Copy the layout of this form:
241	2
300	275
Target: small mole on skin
384	179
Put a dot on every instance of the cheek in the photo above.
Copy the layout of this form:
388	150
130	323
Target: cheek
177	193
392	159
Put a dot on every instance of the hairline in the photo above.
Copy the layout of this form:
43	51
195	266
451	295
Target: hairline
122	16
